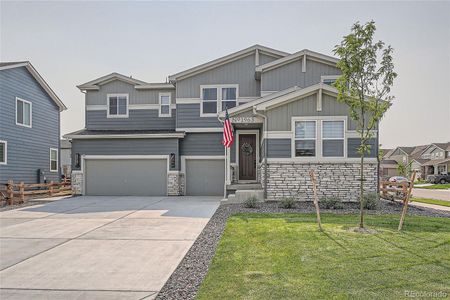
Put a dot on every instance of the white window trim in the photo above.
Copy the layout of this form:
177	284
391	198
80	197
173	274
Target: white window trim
294	139
6	153
31	113
319	150
344	138
219	97
160	114
325	77
57	160
108	96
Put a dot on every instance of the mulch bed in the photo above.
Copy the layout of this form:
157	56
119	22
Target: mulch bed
188	276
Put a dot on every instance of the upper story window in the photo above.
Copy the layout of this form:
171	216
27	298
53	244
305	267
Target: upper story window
117	106
164	105
329	79
3	152
333	138
217	98
53	160
305	138
23	112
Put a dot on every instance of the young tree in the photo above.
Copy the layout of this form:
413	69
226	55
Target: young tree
365	85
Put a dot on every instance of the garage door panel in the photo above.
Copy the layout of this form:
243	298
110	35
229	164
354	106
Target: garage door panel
205	177
126	177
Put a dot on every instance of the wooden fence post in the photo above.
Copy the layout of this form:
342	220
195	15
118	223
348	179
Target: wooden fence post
50	189
406	200
10	192
21	191
316	200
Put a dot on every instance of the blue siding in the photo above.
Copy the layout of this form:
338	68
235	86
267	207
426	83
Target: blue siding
353	144
188	116
202	144
28	148
124	147
279	148
144	119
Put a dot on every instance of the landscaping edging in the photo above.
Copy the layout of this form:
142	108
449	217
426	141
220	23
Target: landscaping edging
188	276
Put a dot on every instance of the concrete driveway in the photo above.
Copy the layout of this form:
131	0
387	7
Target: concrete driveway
432	194
97	247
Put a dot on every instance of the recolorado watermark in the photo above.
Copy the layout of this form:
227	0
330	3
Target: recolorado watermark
426	294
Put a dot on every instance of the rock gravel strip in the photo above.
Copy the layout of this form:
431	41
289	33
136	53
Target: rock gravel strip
188	276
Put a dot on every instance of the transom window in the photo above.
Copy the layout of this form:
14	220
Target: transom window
117	106
53	160
164	105
3	152
305	138
23	112
332	138
216	98
329	79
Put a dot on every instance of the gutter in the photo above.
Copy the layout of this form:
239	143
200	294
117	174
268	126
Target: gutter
265	148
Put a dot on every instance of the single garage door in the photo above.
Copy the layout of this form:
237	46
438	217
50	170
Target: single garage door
205	177
126	177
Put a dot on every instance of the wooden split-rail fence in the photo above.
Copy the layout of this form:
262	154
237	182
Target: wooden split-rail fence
22	191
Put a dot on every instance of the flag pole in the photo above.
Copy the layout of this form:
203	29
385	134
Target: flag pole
225	179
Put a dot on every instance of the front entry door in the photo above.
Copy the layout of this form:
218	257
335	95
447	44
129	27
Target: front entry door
247	156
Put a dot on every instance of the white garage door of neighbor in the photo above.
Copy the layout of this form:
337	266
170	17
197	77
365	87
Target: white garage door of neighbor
126	177
205	177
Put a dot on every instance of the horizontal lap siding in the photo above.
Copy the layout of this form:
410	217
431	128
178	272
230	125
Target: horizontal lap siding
202	144
119	87
279	148
28	148
353	144
125	147
188	116
291	74
139	119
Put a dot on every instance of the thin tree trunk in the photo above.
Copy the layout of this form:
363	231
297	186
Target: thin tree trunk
361	193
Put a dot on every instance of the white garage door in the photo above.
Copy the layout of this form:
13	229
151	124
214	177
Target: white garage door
205	177
126	177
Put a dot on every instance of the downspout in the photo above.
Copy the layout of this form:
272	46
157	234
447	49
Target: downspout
226	167
265	148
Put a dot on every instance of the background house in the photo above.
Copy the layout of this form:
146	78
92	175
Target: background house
29	125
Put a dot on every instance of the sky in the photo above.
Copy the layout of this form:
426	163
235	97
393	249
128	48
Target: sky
70	43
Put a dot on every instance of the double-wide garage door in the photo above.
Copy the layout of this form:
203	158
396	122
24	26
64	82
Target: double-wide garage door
126	177
204	177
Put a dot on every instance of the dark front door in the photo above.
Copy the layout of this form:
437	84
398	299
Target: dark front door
247	156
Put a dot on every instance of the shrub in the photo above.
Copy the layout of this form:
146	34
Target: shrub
371	201
287	202
331	203
250	202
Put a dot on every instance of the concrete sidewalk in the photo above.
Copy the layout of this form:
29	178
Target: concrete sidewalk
98	247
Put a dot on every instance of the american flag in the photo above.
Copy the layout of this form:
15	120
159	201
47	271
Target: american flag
228	137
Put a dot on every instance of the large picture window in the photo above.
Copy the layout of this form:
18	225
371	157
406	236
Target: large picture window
332	138
305	138
23	112
117	106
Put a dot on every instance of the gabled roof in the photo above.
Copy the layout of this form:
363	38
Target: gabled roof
443	146
38	77
295	56
138	84
226	59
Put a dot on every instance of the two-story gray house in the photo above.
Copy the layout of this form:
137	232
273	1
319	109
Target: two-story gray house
165	138
29	125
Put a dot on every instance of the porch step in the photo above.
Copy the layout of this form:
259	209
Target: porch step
244	186
241	195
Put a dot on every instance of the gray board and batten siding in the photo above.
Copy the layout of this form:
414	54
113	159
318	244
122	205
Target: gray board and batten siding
28	149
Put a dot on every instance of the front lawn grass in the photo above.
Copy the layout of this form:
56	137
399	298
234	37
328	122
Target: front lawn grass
444	186
431	201
284	256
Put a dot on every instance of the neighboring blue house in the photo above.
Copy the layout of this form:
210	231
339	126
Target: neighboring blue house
29	125
165	138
